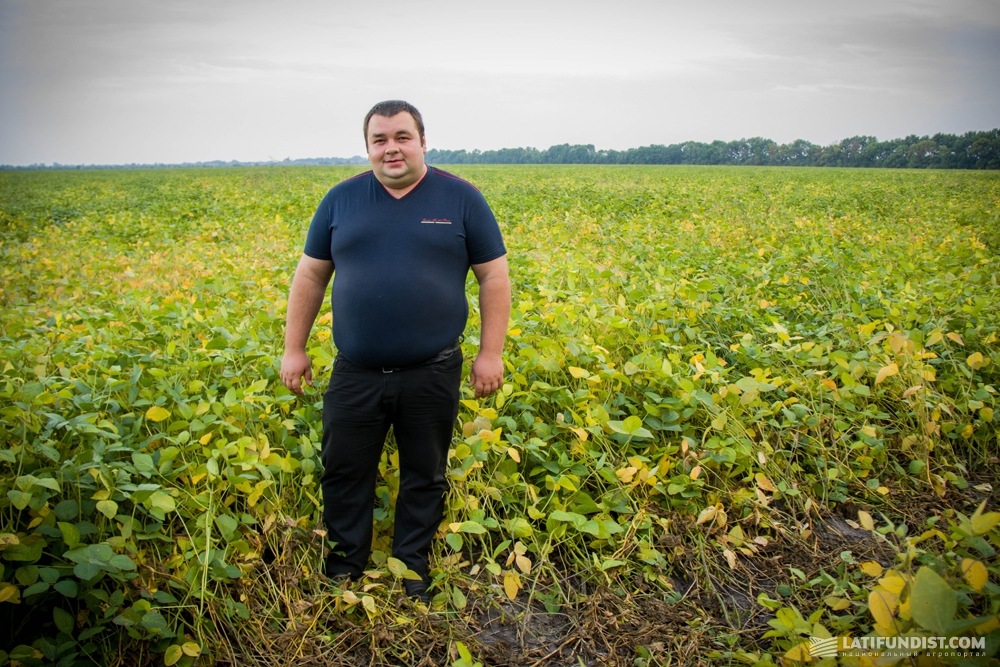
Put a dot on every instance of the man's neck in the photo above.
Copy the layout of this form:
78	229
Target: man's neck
399	193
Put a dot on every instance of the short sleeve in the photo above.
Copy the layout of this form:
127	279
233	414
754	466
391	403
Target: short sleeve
318	239
483	238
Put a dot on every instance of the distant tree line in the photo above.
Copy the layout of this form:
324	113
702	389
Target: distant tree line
287	162
972	150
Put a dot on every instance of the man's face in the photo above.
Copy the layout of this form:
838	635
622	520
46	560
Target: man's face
396	150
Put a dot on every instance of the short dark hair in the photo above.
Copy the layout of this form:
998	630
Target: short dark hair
390	108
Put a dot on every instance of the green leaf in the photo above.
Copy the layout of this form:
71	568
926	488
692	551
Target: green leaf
932	602
19	499
617	427
458	597
396	566
70	534
520	527
172	655
64	620
48	483
572	517
162	501
108	508
471	527
39	587
217	343
747	384
26	575
631	424
228	525
87	571
454	541
67	587
143	462
122	562
154	620
29	550
100	553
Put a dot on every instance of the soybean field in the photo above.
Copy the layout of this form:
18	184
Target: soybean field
744	407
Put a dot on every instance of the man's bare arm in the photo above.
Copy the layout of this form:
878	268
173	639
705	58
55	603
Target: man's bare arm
494	310
304	301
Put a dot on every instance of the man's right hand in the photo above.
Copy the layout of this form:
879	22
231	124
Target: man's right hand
294	366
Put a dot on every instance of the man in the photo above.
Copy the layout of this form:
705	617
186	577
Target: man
401	239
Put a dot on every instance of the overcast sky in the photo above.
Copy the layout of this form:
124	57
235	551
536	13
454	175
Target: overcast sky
117	81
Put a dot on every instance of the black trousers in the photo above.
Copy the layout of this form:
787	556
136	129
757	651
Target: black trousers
421	404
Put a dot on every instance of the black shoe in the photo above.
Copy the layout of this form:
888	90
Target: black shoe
417	589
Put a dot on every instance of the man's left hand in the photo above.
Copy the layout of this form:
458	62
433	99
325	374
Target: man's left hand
486	375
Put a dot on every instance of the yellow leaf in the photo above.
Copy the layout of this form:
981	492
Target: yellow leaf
975	361
707	514
192	649
893	583
511	584
350	598
580	433
912	390
730	558
886	371
955	337
369	604
865	519
989	626
975	573
9	593
884	490
487	435
513	453
882	605
205	438
626	474
764	483
871	568
157	414
578	372
695	472
797	655
523	563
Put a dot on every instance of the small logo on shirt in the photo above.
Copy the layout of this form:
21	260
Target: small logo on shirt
435	221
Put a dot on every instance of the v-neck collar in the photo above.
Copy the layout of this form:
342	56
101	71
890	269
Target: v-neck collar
419	184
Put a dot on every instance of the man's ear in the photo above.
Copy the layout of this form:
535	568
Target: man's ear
423	142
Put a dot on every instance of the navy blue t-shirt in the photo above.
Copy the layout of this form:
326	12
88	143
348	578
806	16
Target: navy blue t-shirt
400	264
